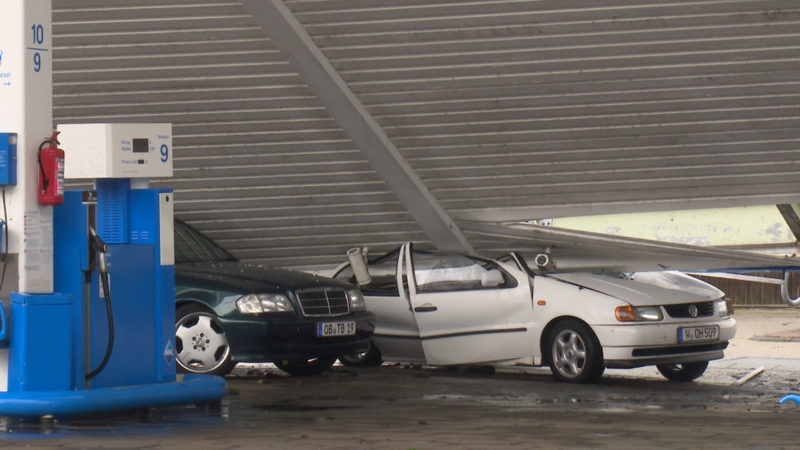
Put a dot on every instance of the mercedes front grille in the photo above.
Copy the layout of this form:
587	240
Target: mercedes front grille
323	302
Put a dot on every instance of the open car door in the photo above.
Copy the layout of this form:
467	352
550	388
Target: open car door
468	310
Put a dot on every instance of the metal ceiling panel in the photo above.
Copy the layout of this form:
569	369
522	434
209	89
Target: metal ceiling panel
521	109
582	251
260	165
505	109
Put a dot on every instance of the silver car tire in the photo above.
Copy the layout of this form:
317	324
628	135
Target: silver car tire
575	353
200	341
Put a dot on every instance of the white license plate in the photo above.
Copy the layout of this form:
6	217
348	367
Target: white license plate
328	329
698	334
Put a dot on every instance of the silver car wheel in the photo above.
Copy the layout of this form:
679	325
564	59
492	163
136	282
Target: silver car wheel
201	343
569	353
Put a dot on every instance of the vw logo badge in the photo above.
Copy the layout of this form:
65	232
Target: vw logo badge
693	310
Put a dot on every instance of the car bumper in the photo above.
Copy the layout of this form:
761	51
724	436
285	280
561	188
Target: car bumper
638	345
259	340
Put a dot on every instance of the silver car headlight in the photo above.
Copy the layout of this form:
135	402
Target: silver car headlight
264	303
724	307
630	313
356	300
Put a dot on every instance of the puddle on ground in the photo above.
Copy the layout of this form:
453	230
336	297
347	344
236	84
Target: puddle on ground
149	421
599	403
302	408
152	421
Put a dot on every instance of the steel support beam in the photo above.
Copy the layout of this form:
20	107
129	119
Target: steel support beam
792	218
288	35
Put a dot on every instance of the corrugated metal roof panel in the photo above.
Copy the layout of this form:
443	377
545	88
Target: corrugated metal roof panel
505	108
520	108
260	165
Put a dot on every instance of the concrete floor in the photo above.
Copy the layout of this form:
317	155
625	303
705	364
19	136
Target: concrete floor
423	407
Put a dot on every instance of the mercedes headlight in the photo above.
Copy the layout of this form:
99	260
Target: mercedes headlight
356	300
264	303
630	313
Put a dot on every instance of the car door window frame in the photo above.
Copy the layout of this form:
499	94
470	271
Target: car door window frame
455	284
383	283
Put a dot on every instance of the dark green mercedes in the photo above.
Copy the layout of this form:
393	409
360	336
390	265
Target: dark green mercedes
228	312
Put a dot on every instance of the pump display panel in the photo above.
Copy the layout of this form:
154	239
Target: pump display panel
141	145
142	150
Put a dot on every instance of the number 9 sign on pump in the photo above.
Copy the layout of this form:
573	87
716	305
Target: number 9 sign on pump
164	153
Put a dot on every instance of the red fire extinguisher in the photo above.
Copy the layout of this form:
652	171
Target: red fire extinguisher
51	172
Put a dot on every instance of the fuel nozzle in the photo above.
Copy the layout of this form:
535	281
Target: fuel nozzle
100	247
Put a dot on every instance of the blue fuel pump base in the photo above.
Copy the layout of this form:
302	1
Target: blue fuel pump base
192	389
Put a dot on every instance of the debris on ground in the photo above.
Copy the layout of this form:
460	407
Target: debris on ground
753	373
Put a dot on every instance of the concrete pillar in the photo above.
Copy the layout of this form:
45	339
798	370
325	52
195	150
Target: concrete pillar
26	108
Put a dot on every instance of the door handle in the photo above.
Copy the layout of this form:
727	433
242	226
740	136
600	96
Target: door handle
425	309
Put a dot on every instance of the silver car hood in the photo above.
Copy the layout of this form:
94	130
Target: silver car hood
646	288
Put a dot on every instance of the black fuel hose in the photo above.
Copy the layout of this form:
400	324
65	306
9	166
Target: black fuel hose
107	293
110	316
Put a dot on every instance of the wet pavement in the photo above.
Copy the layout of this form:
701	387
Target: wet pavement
421	407
398	406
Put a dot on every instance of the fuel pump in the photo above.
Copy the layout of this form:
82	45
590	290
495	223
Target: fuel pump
105	339
90	323
113	248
